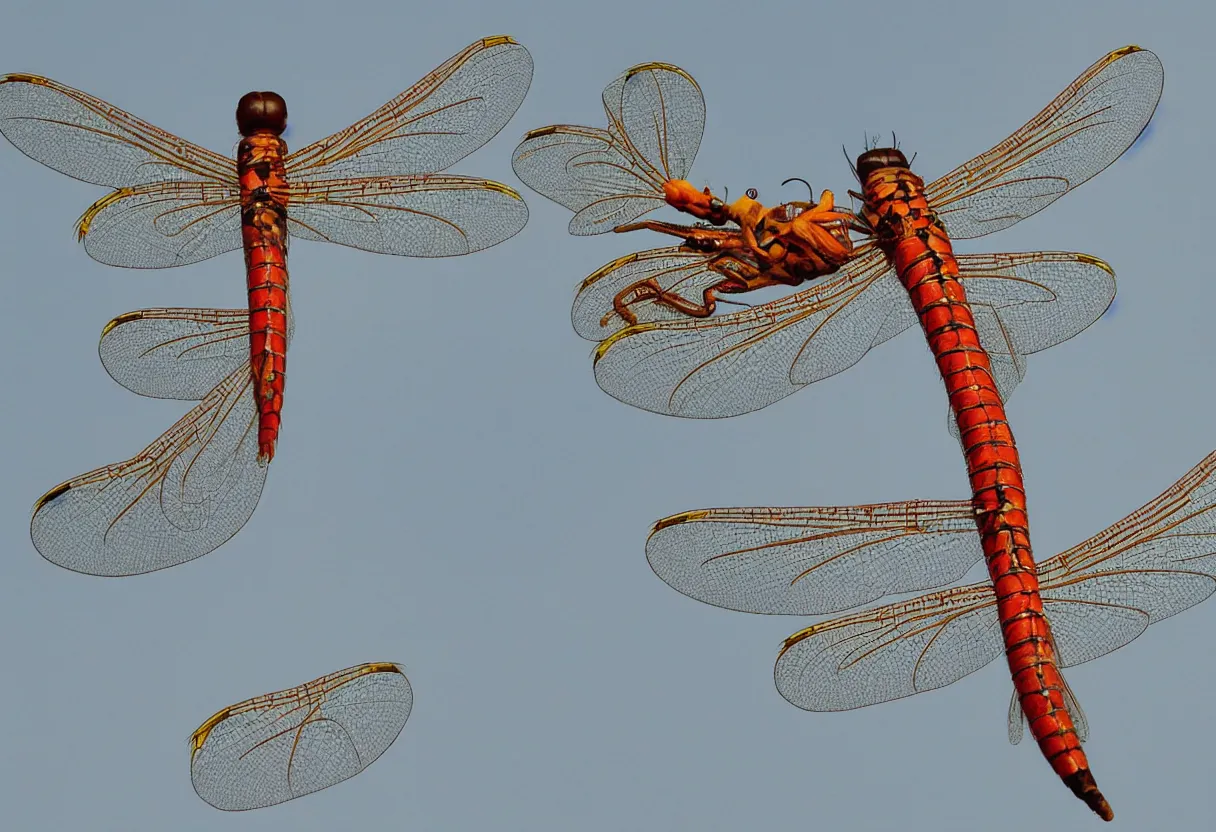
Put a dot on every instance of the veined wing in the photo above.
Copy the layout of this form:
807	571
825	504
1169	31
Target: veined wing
1086	128
812	561
176	500
743	361
1099	595
176	203
1026	302
656	116
431	126
283	745
162	224
725	365
418	216
96	142
677	270
175	353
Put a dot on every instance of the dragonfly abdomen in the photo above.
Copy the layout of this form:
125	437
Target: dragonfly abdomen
918	247
264	233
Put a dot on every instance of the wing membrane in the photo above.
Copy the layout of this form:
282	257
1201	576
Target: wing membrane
1086	128
175	353
811	561
418	216
447	115
656	116
96	142
163	224
730	364
1023	303
1099	595
283	745
686	273
178	499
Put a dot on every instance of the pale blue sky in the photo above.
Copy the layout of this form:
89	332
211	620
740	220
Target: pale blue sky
453	492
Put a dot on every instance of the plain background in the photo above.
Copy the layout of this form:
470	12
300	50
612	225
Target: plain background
453	491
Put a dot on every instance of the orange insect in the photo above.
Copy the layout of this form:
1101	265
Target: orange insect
704	366
374	185
283	745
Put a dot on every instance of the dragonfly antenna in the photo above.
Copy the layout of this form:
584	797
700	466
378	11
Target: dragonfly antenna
809	189
849	161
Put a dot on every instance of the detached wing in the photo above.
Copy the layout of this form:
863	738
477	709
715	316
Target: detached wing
1099	595
812	561
283	745
176	500
175	353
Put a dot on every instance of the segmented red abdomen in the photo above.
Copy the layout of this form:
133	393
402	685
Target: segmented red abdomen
264	231
916	243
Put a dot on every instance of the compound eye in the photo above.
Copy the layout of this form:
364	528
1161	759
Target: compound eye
752	193
716	204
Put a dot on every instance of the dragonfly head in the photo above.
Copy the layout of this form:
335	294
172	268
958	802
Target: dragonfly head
879	157
261	112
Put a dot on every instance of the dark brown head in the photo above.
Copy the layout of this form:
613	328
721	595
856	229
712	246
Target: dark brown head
879	157
261	112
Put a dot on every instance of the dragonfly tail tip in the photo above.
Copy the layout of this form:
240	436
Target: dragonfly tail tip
1083	786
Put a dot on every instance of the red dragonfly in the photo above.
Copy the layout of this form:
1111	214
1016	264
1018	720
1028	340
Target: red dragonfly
908	250
283	745
1100	594
374	185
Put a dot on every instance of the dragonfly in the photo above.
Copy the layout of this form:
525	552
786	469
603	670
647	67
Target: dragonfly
375	185
283	745
1100	594
907	228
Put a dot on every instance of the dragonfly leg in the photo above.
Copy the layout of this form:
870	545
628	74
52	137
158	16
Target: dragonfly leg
651	290
739	276
697	239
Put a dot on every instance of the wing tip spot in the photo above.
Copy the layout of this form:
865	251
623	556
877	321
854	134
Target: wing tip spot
53	494
677	519
497	40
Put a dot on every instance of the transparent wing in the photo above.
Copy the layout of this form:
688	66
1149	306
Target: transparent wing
176	500
1099	595
1023	303
735	363
93	141
1086	128
811	561
431	126
686	273
175	353
283	745
163	224
660	112
656	116
416	216
1017	717
725	365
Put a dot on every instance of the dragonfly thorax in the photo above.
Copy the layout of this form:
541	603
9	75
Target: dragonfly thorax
261	112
